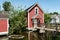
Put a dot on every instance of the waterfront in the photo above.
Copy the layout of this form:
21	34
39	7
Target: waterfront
4	38
34	36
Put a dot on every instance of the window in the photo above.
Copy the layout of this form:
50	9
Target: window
36	10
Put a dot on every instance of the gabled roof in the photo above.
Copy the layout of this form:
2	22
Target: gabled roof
54	16
28	9
4	14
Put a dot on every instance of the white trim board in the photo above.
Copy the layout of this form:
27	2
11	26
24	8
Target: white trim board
3	33
28	21
7	25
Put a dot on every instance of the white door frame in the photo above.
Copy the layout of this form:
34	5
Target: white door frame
35	23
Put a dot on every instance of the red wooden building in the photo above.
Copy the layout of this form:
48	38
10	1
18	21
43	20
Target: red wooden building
35	16
4	23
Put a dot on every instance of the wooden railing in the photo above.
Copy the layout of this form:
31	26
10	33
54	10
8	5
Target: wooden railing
53	26
50	27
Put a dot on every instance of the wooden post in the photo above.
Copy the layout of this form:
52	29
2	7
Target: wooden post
28	35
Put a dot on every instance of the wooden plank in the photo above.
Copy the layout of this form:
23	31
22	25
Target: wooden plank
42	28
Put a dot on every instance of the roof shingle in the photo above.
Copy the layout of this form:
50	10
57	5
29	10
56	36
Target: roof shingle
4	14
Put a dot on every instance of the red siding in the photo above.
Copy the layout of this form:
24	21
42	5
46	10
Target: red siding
32	13
3	25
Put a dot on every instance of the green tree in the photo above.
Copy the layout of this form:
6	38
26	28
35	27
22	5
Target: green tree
51	13
18	22
55	13
47	18
6	6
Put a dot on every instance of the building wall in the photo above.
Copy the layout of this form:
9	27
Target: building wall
32	13
3	25
55	19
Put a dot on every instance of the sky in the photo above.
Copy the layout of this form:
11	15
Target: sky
46	5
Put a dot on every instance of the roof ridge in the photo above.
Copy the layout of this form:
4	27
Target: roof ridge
31	6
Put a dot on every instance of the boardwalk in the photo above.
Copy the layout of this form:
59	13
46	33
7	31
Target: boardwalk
48	29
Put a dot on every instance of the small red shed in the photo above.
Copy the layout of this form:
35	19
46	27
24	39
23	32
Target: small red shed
35	16
4	23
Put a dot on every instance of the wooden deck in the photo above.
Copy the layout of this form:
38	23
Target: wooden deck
48	29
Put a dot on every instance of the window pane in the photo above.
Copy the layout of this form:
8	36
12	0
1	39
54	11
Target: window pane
36	11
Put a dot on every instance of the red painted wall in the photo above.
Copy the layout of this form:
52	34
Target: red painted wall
3	25
32	13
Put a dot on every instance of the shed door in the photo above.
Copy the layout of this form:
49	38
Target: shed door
35	23
3	25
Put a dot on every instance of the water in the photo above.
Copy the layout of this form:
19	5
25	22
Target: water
3	38
34	36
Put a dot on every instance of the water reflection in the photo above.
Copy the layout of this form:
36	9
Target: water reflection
3	38
35	36
29	35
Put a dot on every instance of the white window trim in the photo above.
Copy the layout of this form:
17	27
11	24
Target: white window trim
37	10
